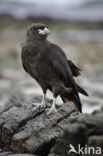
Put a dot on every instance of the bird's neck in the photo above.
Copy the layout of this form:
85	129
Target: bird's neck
35	41
39	44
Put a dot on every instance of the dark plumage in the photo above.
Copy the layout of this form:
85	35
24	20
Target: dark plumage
48	65
75	70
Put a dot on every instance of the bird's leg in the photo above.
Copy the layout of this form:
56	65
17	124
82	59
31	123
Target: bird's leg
53	108
42	104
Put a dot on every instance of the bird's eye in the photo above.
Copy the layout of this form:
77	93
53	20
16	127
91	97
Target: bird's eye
35	28
42	27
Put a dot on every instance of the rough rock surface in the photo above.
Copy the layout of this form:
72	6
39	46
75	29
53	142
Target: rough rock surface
85	130
25	131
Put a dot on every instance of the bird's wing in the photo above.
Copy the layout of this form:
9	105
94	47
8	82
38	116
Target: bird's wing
74	69
60	66
57	49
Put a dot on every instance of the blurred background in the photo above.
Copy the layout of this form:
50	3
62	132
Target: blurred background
76	26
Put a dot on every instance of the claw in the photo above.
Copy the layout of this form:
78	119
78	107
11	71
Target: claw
39	106
42	104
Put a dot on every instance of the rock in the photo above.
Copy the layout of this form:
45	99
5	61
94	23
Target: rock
14	101
85	130
5	153
21	155
25	131
32	132
96	140
10	154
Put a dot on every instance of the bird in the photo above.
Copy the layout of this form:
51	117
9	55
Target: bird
47	63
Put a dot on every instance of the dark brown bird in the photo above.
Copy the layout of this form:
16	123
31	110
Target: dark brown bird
48	65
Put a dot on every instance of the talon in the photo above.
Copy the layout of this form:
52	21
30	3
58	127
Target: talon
38	106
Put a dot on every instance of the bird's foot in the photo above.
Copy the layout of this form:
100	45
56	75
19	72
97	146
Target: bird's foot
36	106
52	110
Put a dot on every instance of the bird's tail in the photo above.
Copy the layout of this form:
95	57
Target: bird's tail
67	97
81	90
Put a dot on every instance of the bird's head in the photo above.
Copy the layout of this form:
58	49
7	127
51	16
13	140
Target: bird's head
38	31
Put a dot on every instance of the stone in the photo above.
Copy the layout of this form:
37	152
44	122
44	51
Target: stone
33	132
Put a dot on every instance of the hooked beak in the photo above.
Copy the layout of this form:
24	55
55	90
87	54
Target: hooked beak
45	31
